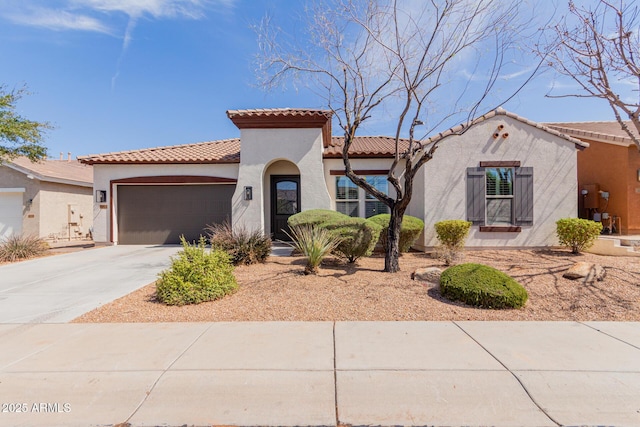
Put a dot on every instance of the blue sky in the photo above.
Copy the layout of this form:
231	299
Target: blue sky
114	75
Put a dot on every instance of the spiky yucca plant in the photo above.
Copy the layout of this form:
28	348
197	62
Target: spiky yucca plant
18	246
314	243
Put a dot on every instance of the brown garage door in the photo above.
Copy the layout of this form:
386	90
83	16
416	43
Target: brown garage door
160	214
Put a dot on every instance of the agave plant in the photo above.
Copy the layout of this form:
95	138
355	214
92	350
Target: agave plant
314	243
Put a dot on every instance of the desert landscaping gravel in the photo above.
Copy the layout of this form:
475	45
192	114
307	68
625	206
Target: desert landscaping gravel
277	290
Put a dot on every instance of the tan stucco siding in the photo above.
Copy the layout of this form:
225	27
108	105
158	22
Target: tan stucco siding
263	147
552	158
55	200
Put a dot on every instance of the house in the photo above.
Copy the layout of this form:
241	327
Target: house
50	199
608	175
512	177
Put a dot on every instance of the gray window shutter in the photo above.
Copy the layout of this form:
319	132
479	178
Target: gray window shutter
475	195
524	196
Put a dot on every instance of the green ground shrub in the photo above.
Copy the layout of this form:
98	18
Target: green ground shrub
357	236
18	247
577	234
409	231
196	275
451	234
314	217
482	286
244	246
314	243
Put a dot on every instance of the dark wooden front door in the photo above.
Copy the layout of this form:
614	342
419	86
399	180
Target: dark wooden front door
285	201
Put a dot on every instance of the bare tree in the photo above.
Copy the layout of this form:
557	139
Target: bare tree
376	60
598	47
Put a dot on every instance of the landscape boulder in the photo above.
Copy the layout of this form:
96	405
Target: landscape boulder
430	275
588	271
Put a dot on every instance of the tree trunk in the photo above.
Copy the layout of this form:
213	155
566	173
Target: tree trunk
392	251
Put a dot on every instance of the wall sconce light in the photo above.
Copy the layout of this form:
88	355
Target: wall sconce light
638	175
584	192
248	193
29	203
101	196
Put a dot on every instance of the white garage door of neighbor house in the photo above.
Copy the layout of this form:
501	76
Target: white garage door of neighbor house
10	212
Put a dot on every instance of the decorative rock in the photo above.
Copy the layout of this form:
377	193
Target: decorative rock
428	274
585	270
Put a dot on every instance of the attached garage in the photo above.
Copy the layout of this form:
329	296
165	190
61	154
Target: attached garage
160	214
10	211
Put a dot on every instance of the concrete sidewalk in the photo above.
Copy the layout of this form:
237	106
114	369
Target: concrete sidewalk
321	374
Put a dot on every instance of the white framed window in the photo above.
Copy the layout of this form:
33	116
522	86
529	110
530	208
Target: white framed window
499	196
354	201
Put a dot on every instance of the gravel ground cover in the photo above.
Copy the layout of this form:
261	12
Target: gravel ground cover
277	290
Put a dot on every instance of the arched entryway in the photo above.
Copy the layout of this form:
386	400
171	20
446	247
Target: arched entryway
283	181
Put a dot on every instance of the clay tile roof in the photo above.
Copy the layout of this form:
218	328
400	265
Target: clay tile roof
278	112
222	151
64	171
365	146
610	132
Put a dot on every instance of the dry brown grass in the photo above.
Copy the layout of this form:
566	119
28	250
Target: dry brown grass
277	290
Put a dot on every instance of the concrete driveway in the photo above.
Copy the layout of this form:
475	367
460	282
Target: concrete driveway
60	288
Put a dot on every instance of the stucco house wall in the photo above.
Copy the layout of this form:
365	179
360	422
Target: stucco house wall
287	150
56	222
45	205
553	159
10	178
103	174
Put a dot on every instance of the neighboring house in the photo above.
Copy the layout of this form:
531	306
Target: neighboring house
51	199
608	175
513	178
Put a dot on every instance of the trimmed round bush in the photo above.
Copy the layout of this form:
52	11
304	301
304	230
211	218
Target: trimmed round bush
451	234
196	275
577	234
482	286
314	217
409	230
358	236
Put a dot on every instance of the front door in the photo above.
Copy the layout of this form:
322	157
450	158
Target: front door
285	201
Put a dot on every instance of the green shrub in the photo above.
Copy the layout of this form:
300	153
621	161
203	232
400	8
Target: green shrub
451	234
577	234
482	286
358	236
196	275
409	230
314	217
17	247
243	245
314	243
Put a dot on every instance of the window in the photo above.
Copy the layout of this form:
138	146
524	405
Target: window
354	201
500	196
347	196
